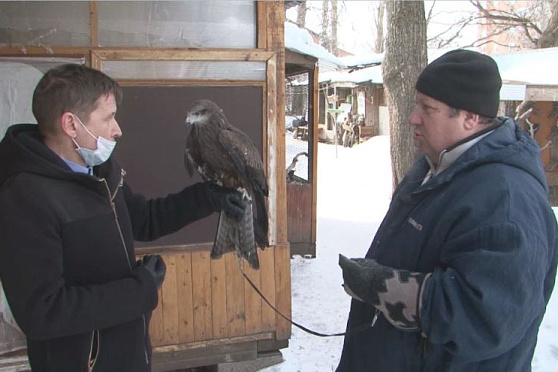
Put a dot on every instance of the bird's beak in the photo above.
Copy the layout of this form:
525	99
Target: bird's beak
187	123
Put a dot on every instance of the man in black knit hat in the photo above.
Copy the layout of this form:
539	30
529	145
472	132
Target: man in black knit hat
460	271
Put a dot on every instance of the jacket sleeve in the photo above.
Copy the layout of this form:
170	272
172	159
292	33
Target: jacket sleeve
158	217
488	292
44	305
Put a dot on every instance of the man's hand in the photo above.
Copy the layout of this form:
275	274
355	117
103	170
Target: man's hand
394	292
156	267
226	199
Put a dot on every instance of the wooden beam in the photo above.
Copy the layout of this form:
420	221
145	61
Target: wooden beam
541	93
314	87
273	150
206	356
205	83
275	42
181	54
35	51
96	61
94	24
261	24
309	63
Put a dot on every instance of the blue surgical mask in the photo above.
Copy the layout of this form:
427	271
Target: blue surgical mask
100	154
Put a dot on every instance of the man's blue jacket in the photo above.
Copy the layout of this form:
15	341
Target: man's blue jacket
485	229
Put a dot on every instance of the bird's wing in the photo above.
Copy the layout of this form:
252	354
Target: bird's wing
188	162
193	158
244	156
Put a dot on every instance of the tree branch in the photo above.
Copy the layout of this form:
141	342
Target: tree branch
505	16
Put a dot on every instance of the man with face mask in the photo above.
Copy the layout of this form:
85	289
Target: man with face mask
67	261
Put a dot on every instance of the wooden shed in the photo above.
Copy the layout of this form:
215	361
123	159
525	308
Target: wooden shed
165	55
530	92
359	84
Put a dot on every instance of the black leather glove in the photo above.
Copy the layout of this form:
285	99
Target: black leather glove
226	199
396	293
156	267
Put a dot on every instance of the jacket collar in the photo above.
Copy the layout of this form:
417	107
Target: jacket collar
452	153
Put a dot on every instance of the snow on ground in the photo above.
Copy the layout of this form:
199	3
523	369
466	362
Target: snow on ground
354	191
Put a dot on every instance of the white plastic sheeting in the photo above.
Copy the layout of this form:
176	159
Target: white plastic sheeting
18	82
11	337
44	23
16	92
203	70
19	76
179	24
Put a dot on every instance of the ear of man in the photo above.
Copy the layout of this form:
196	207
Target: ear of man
68	124
471	121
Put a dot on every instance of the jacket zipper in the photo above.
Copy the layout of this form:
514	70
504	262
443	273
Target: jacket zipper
113	206
93	358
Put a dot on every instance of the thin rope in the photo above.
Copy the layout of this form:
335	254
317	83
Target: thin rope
305	329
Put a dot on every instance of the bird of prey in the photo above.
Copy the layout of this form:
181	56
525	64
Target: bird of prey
225	155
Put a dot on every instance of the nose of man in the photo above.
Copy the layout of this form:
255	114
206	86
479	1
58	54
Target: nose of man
117	132
414	118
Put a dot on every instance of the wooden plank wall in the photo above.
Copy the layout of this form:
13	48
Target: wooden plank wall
542	115
203	299
299	205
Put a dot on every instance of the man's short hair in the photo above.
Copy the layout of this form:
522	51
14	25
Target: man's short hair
483	119
70	88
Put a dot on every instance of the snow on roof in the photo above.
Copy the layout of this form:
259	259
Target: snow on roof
529	67
363	60
369	74
299	40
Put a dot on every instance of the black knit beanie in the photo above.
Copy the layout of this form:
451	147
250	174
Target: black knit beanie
465	80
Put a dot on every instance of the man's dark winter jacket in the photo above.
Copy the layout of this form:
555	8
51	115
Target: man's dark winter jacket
485	229
67	257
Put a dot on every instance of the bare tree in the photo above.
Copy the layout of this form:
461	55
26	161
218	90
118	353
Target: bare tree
324	35
301	14
330	17
520	24
549	37
334	22
379	21
404	59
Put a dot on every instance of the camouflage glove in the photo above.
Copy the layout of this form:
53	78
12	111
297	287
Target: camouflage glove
396	293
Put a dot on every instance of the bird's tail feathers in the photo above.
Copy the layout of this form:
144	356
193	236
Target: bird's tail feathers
246	244
261	224
223	244
233	233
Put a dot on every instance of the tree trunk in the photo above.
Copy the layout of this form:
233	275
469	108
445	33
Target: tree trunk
404	59
334	15
301	15
379	44
549	37
324	36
